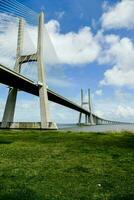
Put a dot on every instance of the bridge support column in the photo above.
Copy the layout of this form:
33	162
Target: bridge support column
97	121
44	108
80	115
80	118
86	119
91	119
12	94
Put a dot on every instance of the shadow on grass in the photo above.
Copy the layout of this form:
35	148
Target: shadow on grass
126	141
85	144
122	140
20	194
123	197
5	141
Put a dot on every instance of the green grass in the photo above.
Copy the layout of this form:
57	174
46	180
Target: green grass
43	165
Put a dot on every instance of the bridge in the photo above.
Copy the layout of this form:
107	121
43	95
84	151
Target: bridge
16	81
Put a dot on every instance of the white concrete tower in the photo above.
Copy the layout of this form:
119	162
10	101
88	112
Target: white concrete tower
12	94
20	59
88	119
44	110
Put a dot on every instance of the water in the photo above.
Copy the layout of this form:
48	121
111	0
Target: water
97	128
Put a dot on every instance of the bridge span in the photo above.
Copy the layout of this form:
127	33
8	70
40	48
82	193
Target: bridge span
20	82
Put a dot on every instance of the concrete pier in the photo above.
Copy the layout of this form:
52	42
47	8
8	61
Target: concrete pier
12	94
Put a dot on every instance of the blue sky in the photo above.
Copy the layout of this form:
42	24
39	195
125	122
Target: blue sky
78	13
103	61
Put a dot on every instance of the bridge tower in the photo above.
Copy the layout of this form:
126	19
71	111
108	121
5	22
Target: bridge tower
88	118
12	94
20	59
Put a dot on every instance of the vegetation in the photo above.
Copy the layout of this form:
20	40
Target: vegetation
39	165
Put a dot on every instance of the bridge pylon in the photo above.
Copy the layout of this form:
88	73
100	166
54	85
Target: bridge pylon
21	59
12	94
89	120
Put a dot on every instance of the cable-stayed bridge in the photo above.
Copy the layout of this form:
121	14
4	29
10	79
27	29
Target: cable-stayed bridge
16	81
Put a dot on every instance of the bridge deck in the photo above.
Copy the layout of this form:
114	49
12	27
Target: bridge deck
13	79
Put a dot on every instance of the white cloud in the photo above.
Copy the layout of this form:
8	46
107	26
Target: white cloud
99	92
73	48
120	95
118	77
60	15
124	111
8	39
118	54
99	113
114	108
8	30
120	15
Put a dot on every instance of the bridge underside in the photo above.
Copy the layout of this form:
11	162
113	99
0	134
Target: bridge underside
13	79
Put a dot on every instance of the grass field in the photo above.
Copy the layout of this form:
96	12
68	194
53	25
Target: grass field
38	165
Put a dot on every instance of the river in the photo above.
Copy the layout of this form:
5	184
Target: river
97	128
